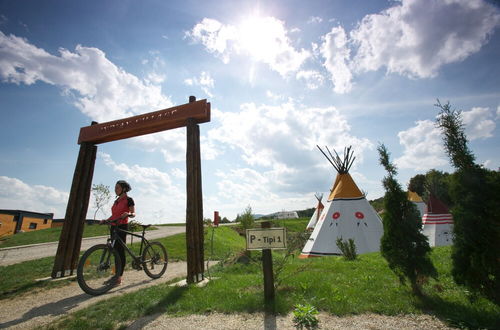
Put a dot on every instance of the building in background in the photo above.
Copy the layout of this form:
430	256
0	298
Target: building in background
15	221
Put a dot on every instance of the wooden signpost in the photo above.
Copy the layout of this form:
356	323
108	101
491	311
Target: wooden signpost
189	115
267	239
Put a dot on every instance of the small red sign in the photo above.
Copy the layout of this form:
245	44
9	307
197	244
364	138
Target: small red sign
359	215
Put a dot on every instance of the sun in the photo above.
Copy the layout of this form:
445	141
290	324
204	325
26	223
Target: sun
260	37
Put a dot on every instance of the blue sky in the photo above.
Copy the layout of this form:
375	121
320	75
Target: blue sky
282	77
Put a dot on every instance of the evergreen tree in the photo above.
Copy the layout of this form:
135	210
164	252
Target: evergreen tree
475	193
417	184
403	244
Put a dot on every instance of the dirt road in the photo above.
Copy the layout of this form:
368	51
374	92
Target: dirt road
9	256
33	309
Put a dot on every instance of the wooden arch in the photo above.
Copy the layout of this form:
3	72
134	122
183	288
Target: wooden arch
188	115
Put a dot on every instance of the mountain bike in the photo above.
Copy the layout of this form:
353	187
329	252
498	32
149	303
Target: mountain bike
100	265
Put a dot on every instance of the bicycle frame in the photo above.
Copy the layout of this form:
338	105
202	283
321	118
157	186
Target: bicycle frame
115	238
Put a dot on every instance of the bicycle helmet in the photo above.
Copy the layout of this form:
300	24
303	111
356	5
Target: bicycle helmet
124	184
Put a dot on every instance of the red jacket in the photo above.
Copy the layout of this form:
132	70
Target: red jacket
120	206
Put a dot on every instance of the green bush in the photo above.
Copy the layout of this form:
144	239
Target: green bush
304	316
348	248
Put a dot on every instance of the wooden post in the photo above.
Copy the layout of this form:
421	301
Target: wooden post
70	241
194	207
267	267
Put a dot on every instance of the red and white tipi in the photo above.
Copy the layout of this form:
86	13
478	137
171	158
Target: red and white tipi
437	223
317	212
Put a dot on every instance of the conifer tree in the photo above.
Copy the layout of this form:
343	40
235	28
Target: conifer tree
475	193
403	244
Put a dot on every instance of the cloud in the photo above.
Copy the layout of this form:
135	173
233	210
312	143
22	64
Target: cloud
100	89
313	79
478	124
262	39
337	56
314	19
423	147
498	112
416	38
204	81
158	198
16	194
282	140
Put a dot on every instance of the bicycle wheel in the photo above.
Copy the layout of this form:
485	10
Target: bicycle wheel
98	269
155	259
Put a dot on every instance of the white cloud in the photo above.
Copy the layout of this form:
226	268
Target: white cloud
274	96
498	112
313	79
157	197
337	56
423	147
478	124
262	39
284	137
101	90
314	19
416	38
204	81
16	194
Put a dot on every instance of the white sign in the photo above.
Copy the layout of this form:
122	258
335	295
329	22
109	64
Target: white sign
266	238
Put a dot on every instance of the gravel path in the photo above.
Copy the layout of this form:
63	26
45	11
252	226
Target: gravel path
217	321
32	309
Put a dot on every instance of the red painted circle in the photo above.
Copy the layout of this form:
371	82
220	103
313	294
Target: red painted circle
359	215
336	215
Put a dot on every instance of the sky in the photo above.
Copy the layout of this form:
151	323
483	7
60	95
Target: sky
282	77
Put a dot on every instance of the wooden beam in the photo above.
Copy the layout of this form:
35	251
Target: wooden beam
148	123
71	234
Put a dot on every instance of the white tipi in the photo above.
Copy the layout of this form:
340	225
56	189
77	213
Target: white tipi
347	214
317	212
437	223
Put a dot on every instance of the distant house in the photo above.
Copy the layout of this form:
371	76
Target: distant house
286	215
60	222
15	221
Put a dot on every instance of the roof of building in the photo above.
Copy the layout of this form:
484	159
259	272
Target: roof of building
30	214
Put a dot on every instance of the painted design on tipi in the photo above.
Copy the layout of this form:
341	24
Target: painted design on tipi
317	212
418	201
437	223
347	214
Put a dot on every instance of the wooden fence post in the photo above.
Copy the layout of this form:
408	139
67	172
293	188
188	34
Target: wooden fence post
68	250
267	268
194	207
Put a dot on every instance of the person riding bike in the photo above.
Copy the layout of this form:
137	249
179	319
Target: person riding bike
122	209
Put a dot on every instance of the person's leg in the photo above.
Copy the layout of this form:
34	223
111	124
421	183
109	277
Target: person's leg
121	250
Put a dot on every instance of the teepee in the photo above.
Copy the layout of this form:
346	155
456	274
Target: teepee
317	212
418	201
437	223
347	214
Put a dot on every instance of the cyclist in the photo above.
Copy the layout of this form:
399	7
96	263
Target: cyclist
122	209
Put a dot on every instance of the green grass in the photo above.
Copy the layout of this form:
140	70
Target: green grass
330	284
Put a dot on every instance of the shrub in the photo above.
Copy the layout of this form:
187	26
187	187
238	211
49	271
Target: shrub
348	248
304	316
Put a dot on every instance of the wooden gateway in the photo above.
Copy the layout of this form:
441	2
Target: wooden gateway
188	115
